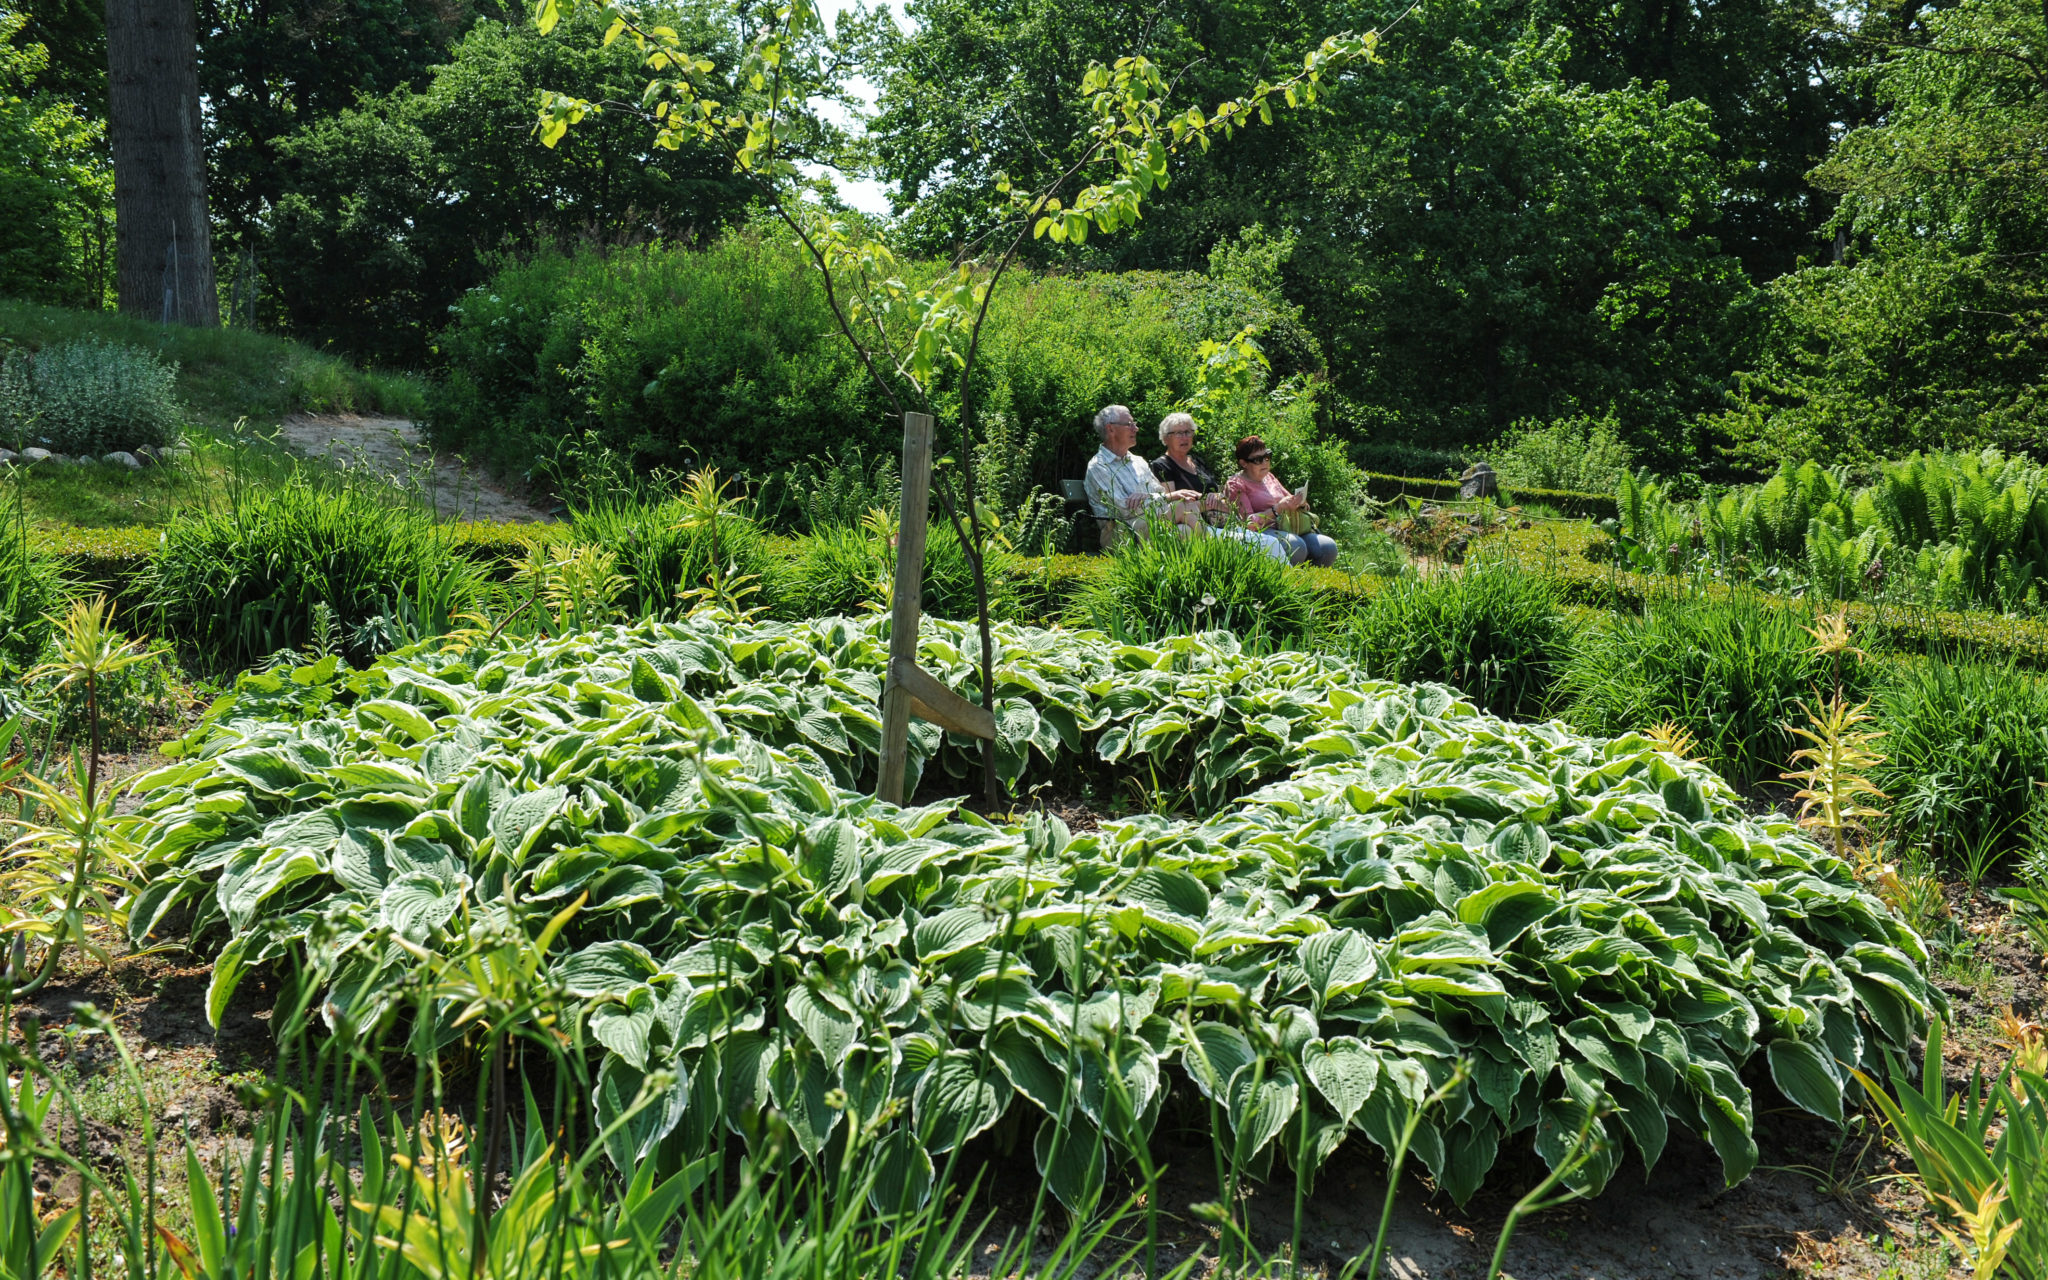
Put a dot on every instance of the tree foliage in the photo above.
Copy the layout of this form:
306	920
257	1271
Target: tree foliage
396	206
1933	331
56	185
1482	237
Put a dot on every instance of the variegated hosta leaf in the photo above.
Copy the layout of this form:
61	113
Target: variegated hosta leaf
1388	884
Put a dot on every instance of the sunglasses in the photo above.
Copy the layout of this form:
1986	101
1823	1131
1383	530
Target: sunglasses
1180	435
1260	457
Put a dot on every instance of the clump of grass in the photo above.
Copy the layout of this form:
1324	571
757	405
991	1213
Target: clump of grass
1161	584
852	569
1494	631
30	587
1730	670
243	582
667	548
1967	749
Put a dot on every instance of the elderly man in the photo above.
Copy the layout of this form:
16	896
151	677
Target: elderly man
1122	491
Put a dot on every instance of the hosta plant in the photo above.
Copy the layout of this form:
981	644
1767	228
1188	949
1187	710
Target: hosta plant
1393	889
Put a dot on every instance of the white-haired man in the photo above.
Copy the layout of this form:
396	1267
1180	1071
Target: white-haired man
1122	491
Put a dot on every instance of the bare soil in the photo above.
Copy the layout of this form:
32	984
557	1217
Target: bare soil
393	448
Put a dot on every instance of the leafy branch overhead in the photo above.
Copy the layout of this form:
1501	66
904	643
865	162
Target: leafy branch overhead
753	115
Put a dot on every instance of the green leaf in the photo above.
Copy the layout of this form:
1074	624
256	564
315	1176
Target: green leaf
1338	961
605	969
1071	1159
1260	1105
797	1081
957	1098
1344	1071
1806	1078
1216	1055
419	903
952	931
829	1026
903	1174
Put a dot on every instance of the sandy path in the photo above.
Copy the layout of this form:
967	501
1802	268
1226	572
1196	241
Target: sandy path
392	447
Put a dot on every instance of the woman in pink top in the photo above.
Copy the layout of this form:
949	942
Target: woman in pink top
1259	497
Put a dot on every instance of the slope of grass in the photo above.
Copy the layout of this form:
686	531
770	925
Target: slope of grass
225	374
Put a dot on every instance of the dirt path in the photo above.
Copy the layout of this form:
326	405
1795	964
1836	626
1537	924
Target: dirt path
393	448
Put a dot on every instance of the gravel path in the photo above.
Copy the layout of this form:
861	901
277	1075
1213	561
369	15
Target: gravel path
392	447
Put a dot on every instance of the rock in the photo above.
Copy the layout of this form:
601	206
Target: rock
30	457
173	453
1478	482
118	458
7	457
147	455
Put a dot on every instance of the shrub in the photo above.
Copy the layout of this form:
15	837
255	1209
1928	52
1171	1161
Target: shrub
241	583
1729	669
727	355
91	397
1494	631
1162	585
852	568
1582	454
1966	744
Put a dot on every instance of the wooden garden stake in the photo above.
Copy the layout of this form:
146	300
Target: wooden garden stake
910	690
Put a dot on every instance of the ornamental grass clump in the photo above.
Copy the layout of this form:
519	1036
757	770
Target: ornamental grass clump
236	585
852	569
1160	584
1730	670
1395	898
1495	631
671	550
1967	752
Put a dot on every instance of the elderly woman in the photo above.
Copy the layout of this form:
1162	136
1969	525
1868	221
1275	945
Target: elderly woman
1181	468
1261	499
1123	492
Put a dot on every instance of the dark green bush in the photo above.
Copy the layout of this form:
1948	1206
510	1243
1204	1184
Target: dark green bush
1495	631
850	569
728	356
239	584
1729	668
1966	748
1164	585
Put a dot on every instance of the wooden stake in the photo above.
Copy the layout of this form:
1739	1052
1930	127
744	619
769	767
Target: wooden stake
907	602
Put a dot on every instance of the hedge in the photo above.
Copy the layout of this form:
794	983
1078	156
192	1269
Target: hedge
108	560
1584	506
1558	550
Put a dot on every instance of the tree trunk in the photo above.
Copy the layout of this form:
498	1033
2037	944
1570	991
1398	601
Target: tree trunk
163	247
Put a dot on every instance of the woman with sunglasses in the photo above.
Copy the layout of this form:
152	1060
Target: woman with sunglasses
1180	467
1261	499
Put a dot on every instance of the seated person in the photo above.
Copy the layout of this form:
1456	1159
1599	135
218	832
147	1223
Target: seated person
1181	468
1122	491
1261	499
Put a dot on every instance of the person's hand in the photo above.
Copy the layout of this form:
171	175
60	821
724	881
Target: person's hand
1212	502
1292	502
1184	495
1133	501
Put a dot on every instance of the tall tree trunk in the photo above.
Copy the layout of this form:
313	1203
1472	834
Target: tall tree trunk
163	247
